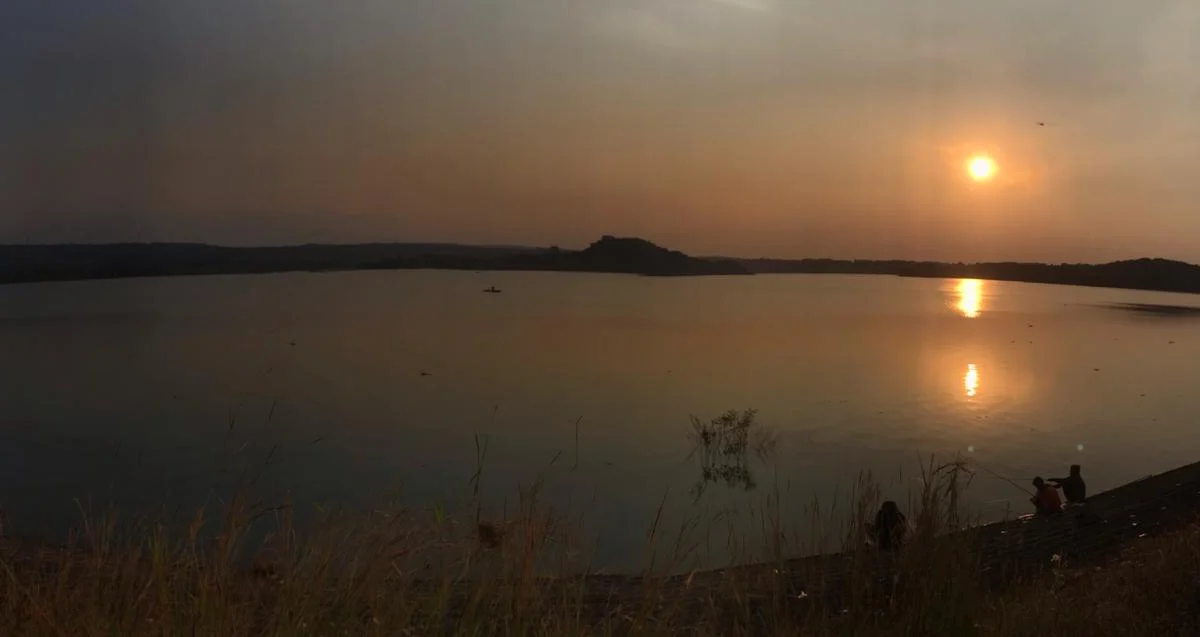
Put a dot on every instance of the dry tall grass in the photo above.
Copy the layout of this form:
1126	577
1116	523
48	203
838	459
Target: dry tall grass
397	572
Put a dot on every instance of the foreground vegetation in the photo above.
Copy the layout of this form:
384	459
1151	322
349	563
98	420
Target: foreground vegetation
390	574
246	569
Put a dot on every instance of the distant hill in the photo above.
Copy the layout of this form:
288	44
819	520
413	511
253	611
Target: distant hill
32	263
628	256
609	254
1140	274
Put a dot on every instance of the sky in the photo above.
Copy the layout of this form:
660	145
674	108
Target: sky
781	128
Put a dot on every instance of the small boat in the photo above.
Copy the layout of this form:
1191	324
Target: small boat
492	290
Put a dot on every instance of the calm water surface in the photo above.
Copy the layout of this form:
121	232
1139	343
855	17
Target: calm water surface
125	391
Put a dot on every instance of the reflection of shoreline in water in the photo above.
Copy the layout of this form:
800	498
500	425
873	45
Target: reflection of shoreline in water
1154	309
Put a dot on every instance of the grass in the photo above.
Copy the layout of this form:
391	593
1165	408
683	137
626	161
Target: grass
1152	588
395	571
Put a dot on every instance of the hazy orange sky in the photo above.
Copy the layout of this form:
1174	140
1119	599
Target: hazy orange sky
785	128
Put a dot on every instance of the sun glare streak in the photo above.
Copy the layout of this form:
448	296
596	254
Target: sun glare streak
971	380
970	297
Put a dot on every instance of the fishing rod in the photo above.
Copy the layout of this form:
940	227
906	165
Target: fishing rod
978	464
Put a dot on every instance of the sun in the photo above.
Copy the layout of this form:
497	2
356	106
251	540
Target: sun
981	167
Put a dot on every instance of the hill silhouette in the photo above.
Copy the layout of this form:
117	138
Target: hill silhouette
631	256
32	263
1140	274
609	254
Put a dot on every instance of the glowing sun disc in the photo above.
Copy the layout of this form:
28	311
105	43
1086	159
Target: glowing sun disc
981	168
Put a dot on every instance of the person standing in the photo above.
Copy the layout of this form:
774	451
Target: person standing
890	527
1072	486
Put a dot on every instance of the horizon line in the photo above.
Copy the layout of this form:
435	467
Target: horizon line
513	246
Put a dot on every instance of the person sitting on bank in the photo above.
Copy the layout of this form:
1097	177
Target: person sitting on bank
1072	486
890	527
1046	499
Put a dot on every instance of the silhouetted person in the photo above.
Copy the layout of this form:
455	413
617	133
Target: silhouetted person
890	527
1072	486
1046	499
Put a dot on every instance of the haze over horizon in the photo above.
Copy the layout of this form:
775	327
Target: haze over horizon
717	127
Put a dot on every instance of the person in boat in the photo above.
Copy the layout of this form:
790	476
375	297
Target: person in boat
1072	486
890	527
1045	499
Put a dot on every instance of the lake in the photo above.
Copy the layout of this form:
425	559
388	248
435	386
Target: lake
347	387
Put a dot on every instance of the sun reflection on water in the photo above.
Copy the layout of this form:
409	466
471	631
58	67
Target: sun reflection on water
970	297
971	380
